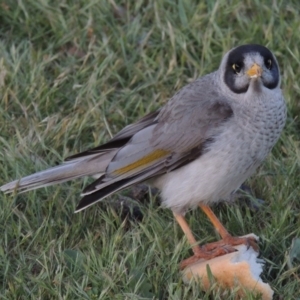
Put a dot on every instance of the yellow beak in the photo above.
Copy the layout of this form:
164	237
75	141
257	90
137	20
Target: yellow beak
255	71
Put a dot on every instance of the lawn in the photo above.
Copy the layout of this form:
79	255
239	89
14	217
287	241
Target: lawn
72	74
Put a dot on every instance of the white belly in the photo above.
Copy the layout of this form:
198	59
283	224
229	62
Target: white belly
206	180
216	173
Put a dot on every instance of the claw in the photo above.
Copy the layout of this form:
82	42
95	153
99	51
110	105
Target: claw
247	241
222	247
207	252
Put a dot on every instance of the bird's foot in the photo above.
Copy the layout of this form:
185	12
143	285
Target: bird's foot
231	241
206	252
222	247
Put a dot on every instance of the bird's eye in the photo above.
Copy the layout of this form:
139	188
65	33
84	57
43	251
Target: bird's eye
268	64
236	68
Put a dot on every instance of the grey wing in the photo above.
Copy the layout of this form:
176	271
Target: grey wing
121	138
193	117
92	162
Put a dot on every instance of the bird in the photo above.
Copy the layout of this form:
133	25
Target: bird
197	149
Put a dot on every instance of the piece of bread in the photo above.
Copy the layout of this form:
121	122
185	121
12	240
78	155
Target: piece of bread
240	269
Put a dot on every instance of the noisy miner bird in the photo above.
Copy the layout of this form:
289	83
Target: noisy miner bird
197	149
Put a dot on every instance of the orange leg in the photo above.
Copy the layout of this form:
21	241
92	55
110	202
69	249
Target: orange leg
187	231
215	221
227	238
205	252
211	250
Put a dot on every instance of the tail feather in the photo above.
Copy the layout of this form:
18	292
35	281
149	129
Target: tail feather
92	165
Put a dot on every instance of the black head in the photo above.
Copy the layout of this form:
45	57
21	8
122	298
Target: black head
250	62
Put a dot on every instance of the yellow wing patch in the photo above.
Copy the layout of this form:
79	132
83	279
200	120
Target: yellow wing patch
142	162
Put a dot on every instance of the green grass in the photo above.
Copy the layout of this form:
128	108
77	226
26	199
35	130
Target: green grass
73	73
